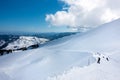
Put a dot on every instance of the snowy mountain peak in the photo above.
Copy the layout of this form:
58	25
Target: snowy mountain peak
25	41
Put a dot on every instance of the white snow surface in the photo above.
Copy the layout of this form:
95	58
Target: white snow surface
102	39
69	58
25	41
106	70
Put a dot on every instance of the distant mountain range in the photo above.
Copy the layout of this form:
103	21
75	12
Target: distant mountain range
25	42
11	42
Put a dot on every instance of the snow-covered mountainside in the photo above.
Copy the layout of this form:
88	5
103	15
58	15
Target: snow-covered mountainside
106	70
94	55
103	38
25	41
2	42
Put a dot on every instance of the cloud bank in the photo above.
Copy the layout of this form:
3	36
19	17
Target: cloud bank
85	14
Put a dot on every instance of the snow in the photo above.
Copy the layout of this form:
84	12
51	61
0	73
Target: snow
25	41
102	39
25	64
106	70
69	58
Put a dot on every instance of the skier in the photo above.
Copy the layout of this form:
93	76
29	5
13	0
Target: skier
107	59
98	60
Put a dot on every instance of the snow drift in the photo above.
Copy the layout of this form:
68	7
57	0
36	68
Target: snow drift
68	58
106	70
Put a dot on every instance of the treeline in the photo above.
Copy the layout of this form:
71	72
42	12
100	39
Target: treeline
5	51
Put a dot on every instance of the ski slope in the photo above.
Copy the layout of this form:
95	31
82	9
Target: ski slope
102	39
106	70
69	58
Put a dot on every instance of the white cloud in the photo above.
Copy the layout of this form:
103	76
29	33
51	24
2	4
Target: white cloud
61	18
85	14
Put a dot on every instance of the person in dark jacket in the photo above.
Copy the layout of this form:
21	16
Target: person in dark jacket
98	61
107	59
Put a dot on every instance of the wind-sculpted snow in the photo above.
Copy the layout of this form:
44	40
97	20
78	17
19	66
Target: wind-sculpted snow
41	63
78	57
106	70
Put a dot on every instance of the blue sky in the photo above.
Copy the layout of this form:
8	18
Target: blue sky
28	15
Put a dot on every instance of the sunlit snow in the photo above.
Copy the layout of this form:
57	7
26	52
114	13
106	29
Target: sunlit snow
73	57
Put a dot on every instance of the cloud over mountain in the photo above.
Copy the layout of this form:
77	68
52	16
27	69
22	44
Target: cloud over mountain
85	14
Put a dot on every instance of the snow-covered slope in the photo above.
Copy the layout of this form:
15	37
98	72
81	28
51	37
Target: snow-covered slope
106	70
103	38
69	58
25	41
